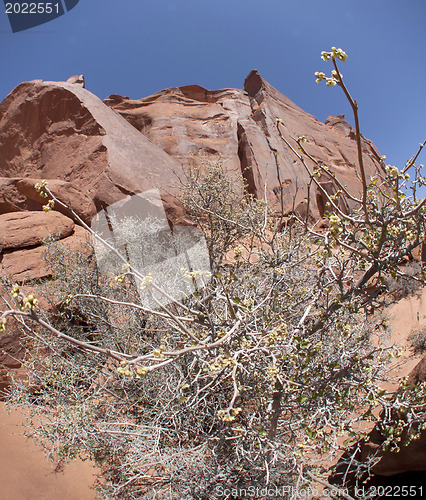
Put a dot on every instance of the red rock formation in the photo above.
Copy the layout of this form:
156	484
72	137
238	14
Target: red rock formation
22	235
28	229
77	80
191	123
411	457
60	131
92	157
29	263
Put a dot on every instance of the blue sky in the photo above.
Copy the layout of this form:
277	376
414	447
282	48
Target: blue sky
138	47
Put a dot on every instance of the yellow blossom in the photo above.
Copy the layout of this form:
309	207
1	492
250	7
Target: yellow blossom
273	372
146	281
141	370
319	76
335	219
3	324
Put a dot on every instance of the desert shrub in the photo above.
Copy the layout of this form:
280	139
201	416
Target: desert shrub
220	207
257	378
418	341
403	285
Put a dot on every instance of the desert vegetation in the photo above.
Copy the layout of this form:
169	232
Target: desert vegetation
260	375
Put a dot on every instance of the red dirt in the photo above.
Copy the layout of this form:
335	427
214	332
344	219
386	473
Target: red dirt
26	473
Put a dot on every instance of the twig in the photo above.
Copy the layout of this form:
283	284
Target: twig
328	485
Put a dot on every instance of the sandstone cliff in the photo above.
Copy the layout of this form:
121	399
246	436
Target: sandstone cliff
191	123
95	153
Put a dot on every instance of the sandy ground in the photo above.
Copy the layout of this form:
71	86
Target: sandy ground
406	316
26	473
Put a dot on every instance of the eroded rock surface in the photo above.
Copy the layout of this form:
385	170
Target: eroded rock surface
92	157
95	153
411	457
406	316
30	263
60	131
28	229
191	123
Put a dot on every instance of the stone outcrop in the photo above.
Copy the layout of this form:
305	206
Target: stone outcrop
22	238
411	457
29	229
29	263
191	123
406	466
61	132
95	153
77	80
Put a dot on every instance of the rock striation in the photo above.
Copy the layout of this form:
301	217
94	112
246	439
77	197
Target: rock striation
28	229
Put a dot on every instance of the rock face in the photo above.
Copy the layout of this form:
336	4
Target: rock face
411	457
191	123
29	263
78	80
22	235
62	132
406	316
28	229
95	153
